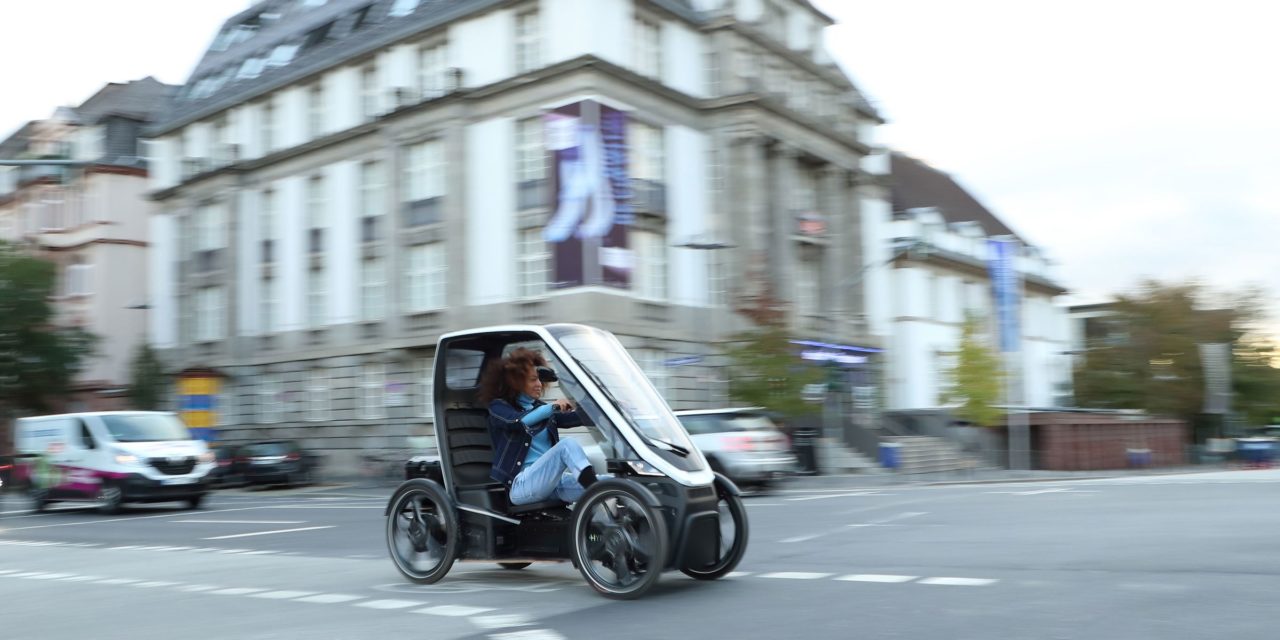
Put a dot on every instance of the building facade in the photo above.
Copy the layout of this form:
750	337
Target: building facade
935	254
90	215
341	182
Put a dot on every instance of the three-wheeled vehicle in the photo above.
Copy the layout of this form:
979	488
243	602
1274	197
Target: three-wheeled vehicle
663	508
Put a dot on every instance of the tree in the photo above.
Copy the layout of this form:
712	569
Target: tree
1149	359
765	369
147	381
38	360
976	378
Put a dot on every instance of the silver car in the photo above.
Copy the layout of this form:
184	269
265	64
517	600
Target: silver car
743	444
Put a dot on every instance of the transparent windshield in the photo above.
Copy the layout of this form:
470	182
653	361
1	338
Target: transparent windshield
600	353
146	427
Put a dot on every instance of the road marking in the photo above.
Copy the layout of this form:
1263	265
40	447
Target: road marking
871	577
115	581
835	495
500	622
5	572
801	538
795	575
237	591
197	588
283	595
453	610
51	576
243	521
958	582
156	583
390	604
79	578
329	598
738	574
530	634
267	533
129	519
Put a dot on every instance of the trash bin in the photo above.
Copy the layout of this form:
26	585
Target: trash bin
804	440
1138	458
890	457
1256	452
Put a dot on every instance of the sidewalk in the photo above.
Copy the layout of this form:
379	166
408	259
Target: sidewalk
984	476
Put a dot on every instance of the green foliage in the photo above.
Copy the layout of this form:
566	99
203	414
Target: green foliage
976	379
767	372
147	381
1150	358
38	360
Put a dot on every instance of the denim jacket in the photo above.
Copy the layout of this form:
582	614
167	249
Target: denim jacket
511	437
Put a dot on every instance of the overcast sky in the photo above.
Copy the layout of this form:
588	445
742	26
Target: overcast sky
1127	138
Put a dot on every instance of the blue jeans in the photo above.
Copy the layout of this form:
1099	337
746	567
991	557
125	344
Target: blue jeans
555	473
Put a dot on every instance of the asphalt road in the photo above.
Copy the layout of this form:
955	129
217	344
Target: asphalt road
1168	557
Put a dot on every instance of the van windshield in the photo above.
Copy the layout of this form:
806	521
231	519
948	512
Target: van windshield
146	427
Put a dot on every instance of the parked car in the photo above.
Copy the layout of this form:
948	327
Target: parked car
6	471
228	468
277	462
744	444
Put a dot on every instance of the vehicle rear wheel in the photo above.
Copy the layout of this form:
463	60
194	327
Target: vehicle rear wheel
733	537
422	532
194	501
39	499
514	566
619	541
110	498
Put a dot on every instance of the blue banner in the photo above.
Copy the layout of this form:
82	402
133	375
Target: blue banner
1006	291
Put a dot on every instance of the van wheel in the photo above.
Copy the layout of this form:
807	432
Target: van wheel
39	499
110	497
194	501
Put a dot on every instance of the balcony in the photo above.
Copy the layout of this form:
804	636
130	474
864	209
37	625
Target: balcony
423	212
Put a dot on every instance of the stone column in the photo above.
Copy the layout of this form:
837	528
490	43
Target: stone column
782	169
747	210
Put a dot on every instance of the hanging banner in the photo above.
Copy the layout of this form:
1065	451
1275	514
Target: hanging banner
1006	290
590	196
198	404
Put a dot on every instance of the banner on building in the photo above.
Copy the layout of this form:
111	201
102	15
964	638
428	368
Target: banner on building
590	196
1006	290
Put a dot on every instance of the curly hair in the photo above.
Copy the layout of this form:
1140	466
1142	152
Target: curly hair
505	379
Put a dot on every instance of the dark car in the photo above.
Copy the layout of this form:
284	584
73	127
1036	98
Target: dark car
228	468
6	471
277	462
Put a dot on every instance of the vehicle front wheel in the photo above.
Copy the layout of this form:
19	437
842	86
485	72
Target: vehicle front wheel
422	532
733	537
39	499
619	541
194	501
110	498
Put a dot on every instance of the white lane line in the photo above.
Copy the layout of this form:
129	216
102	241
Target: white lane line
267	533
389	604
801	538
231	550
453	610
330	598
259	553
850	494
871	577
500	622
796	575
117	581
52	576
283	595
958	582
529	634
237	591
80	578
156	583
1033	492
738	574
243	521
130	546
4	572
129	519
197	588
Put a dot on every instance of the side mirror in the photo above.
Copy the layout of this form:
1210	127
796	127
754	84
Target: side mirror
547	374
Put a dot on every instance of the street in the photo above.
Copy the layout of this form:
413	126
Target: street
1181	556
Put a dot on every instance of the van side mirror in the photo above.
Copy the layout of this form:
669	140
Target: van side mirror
86	438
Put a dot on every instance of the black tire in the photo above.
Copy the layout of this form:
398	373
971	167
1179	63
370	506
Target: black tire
422	531
39	499
110	499
734	528
619	541
514	566
194	501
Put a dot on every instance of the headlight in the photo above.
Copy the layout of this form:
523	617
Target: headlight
207	457
126	458
642	468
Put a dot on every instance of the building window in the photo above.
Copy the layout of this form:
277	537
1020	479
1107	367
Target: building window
270	306
317	395
268	127
775	21
426	386
369	92
807	282
267	226
648	48
425	174
648	164
372	200
315	111
78	279
651	264
211	228
528	42
427	278
269	409
317	217
373	405
531	165
652	363
432	67
373	290
210	321
316	298
718	279
535	263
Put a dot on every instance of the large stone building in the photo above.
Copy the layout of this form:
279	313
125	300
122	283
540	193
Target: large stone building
341	181
87	211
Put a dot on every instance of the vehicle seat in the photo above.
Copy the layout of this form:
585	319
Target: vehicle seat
471	456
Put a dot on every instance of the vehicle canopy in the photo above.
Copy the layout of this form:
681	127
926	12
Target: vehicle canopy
621	409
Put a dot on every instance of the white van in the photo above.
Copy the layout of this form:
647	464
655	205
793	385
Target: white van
111	458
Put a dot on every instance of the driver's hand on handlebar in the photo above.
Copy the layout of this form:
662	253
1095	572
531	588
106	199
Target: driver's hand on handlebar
563	404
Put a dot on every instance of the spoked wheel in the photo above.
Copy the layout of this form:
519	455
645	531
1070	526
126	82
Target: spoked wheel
109	499
619	541
733	537
422	532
